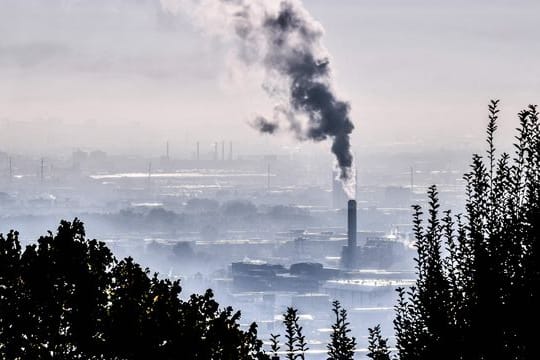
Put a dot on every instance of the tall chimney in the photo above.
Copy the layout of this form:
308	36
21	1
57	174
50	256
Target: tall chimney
351	223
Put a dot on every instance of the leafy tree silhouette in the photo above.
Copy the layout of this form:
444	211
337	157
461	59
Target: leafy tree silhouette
11	291
377	345
274	345
67	297
478	285
341	345
295	341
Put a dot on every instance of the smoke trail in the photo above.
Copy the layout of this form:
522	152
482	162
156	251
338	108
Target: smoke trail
264	125
283	38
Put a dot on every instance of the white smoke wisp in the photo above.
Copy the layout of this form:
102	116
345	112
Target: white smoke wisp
283	39
349	186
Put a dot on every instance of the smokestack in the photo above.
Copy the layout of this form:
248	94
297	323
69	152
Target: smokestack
351	223
348	253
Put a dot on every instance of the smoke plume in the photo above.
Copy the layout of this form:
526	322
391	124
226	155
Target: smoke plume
285	40
264	125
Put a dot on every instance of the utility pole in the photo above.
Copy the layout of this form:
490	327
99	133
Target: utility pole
412	179
41	171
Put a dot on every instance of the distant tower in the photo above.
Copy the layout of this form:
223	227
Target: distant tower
215	151
230	150
10	169
348	253
351	224
198	151
222	150
167	151
41	173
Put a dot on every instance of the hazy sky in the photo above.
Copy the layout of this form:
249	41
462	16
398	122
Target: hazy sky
133	74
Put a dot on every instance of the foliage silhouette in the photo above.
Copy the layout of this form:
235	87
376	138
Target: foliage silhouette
295	341
274	345
477	294
377	345
67	297
341	345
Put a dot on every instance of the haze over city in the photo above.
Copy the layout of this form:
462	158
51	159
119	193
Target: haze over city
296	157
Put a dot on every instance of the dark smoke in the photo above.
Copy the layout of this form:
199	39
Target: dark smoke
292	47
265	126
283	38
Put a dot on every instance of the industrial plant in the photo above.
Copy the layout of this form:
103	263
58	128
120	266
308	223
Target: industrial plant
256	229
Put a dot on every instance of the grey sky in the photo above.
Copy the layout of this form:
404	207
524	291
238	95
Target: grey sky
412	70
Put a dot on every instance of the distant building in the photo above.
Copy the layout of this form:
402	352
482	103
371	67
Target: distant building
377	251
301	277
98	156
79	157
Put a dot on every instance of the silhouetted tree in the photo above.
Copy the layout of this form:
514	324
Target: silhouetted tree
67	297
341	345
11	293
289	319
478	297
377	345
295	341
301	344
274	344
